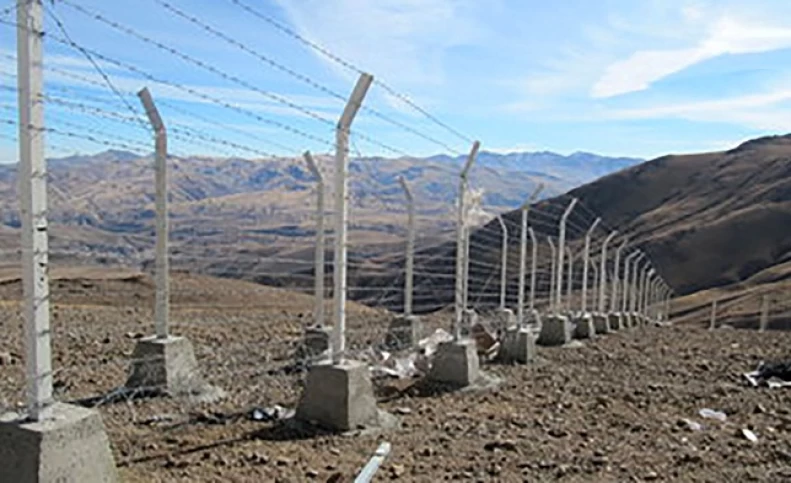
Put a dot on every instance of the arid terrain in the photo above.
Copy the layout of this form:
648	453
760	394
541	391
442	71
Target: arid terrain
610	410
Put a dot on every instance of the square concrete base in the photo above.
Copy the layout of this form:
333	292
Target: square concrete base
456	362
584	328
637	319
166	364
626	320
72	447
518	345
616	322
555	330
403	332
601	323
339	397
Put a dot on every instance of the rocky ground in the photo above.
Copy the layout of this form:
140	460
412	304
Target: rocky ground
619	408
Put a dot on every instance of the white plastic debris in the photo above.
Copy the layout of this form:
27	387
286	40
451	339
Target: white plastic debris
692	425
750	435
712	414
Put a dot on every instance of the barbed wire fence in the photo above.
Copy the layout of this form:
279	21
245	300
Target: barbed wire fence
254	336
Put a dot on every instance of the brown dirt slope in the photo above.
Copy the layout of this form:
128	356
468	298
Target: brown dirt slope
706	220
611	410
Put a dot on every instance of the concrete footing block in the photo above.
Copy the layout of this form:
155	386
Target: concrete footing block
616	322
403	332
626	320
456	362
555	330
601	323
70	447
166	364
584	328
339	397
518	346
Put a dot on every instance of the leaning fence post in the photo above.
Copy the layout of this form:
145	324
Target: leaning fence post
616	276
552	272
627	281
162	263
586	262
533	267
595	284
460	242
520	309
503	262
410	247
635	279
603	270
713	317
570	284
318	271
647	292
561	253
764	323
342	212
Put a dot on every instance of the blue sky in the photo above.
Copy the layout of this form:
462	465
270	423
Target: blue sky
614	77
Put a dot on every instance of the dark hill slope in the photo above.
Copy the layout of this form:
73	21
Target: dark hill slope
709	219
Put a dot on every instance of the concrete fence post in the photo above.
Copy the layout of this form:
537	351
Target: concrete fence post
410	247
617	276
318	259
32	181
461	245
533	267
553	270
342	213
764	322
162	306
586	262
561	253
570	284
603	271
520	309
503	262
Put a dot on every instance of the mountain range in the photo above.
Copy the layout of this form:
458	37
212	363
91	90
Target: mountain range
101	205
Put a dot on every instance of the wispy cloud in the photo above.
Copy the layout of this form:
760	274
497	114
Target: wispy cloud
402	40
727	35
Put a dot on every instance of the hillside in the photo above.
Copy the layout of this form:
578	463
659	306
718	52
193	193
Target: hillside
537	425
706	220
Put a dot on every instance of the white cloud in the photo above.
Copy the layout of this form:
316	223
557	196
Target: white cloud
403	41
725	36
758	111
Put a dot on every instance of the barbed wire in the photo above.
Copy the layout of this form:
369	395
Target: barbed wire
302	78
189	90
96	67
348	65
